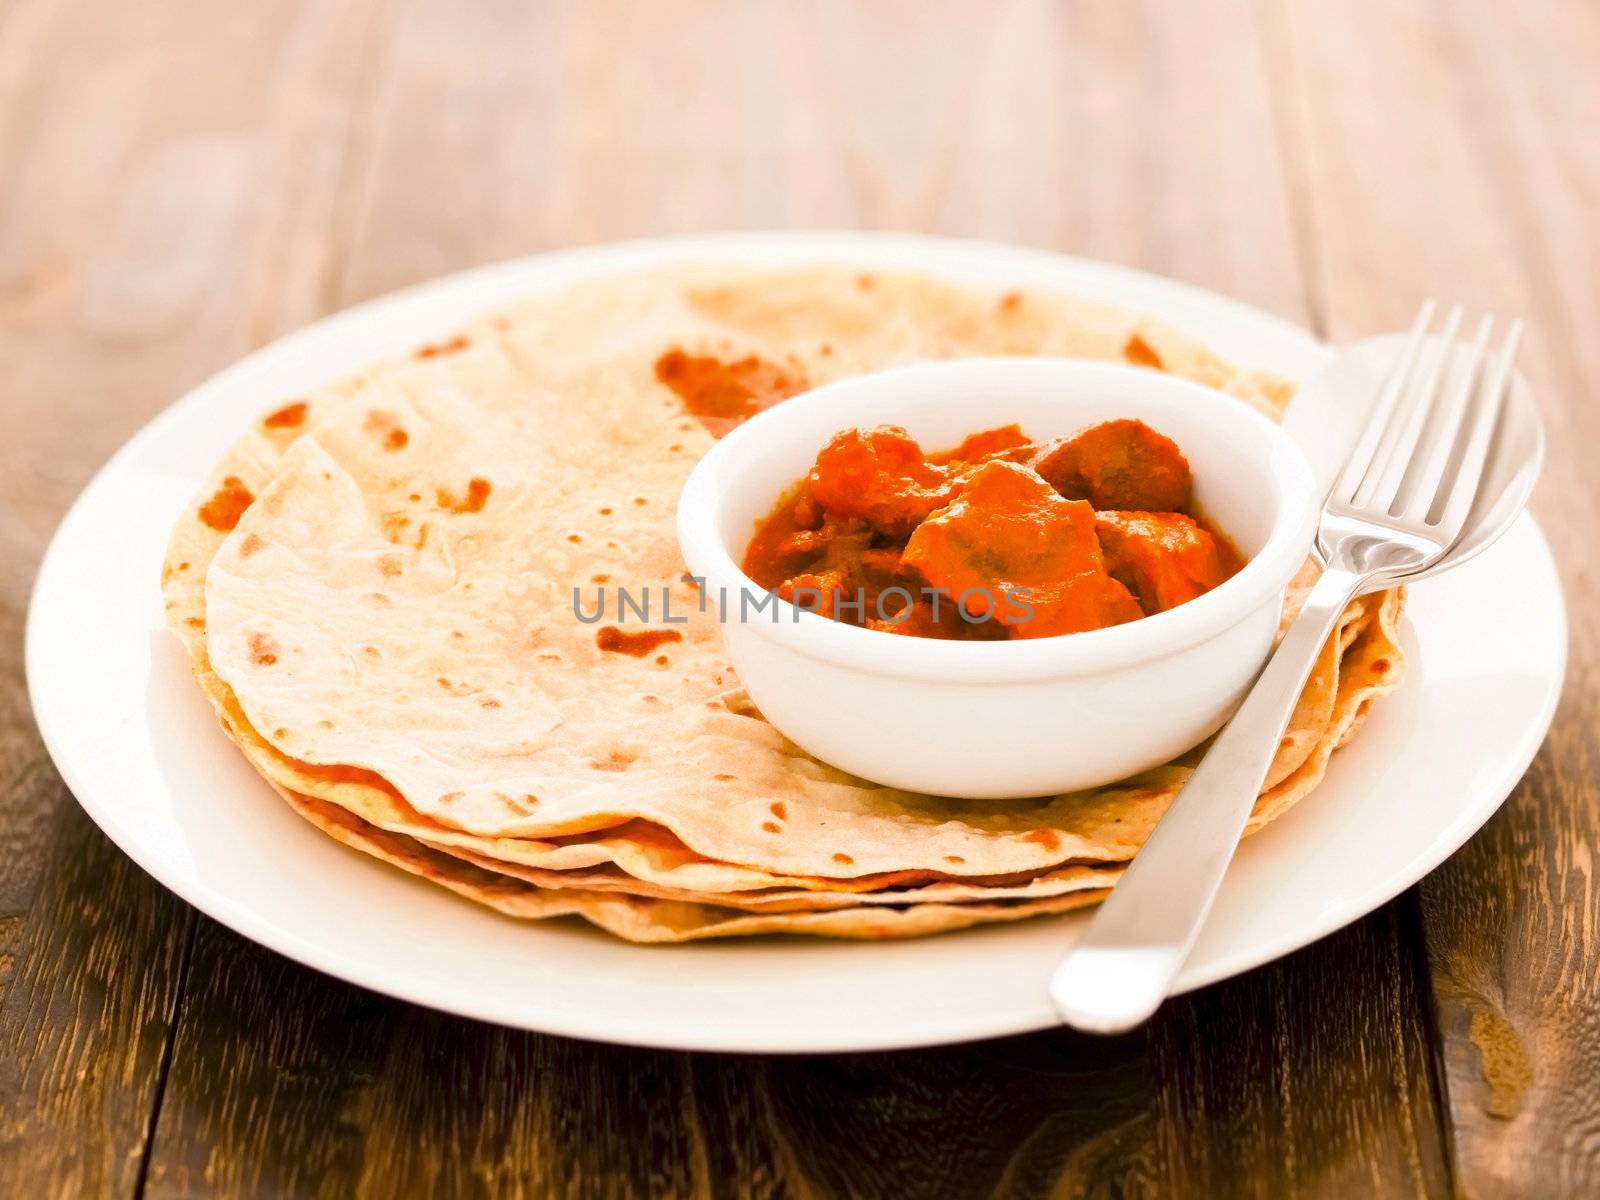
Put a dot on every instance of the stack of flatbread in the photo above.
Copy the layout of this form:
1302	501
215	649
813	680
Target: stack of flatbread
376	589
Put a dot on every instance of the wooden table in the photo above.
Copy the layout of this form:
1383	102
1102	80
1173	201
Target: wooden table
184	180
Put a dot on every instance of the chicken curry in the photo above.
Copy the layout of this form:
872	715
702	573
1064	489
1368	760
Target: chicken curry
1001	537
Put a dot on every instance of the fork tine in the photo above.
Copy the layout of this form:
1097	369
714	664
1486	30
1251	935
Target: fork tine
1423	490
1400	446
1360	458
1463	487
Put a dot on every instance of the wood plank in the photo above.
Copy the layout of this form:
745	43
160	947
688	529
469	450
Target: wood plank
506	129
347	1093
1310	1077
573	122
162	167
95	973
1451	151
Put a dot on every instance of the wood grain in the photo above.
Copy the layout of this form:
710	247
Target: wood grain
1290	1082
164	181
182	182
1483	109
97	968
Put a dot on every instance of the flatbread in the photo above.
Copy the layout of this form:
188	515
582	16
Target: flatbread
641	919
373	640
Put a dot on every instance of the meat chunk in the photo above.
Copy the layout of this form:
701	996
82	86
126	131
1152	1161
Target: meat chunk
1164	558
1003	442
799	537
1118	465
817	592
1010	548
878	476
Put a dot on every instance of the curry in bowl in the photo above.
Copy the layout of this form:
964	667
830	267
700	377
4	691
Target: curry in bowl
1001	537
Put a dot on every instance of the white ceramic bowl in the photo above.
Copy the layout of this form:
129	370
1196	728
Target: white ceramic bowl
1026	717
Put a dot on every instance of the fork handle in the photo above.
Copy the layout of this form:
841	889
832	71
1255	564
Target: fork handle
1122	968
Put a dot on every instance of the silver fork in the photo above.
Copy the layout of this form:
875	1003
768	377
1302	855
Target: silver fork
1400	503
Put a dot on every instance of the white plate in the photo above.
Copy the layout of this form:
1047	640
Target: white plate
142	751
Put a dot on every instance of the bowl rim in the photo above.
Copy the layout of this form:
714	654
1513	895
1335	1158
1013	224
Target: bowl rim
1268	571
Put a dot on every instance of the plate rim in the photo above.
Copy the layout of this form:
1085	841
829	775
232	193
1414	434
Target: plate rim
551	270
